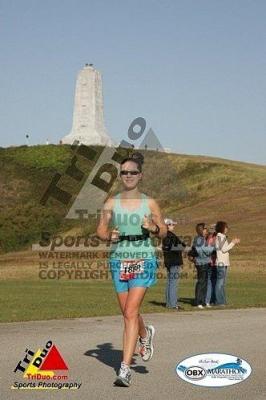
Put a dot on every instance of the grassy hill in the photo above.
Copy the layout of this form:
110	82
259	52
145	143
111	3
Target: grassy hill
189	188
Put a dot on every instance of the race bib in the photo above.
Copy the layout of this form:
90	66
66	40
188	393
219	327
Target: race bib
130	269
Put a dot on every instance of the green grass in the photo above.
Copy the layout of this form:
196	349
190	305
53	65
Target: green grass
51	157
26	173
42	300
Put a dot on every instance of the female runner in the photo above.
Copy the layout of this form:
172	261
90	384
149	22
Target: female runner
133	263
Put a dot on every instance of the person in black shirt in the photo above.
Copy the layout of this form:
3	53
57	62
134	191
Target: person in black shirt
172	248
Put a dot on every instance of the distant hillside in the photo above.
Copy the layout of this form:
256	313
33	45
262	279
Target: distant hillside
189	188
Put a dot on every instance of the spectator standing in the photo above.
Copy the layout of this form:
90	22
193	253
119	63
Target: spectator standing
172	248
202	261
222	260
212	269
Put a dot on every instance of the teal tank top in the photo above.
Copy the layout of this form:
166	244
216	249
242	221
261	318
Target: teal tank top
129	223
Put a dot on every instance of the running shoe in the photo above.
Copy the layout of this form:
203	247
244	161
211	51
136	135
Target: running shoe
146	344
124	377
200	306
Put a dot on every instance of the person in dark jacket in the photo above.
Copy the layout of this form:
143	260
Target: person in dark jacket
202	262
172	248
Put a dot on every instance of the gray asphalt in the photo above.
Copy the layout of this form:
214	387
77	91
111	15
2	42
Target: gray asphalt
92	349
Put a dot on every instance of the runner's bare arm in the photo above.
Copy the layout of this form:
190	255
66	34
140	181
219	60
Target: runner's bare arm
103	231
157	218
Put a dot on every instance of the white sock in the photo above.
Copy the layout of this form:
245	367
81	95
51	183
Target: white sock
124	365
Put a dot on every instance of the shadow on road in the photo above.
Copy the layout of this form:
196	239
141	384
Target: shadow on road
106	354
187	300
158	303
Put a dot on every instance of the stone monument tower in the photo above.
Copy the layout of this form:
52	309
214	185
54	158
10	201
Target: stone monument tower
88	121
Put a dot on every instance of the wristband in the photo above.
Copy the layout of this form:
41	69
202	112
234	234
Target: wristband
157	230
145	231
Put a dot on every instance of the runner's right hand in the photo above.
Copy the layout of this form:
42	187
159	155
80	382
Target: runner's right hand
114	235
236	240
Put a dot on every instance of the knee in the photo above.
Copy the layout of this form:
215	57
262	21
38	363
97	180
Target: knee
130	313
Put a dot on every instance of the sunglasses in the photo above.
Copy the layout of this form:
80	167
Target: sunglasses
129	172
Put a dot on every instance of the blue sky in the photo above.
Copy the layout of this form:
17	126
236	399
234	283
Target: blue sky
194	69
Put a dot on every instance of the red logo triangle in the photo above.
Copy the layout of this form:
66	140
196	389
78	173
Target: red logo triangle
53	361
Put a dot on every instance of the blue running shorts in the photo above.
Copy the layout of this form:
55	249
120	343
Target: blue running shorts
146	279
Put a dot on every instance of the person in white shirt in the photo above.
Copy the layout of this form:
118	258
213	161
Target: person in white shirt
222	260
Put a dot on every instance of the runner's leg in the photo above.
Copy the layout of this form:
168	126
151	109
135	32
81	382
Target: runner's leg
122	298
131	319
142	329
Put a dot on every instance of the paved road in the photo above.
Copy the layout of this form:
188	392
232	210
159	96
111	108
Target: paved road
91	348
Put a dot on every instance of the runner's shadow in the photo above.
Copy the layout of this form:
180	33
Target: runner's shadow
106	354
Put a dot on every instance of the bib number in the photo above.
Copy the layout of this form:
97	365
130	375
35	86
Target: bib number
130	269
